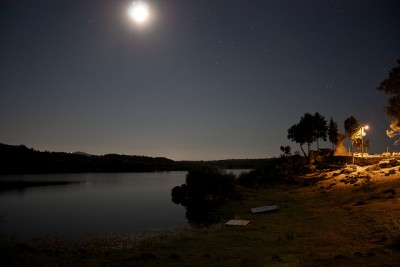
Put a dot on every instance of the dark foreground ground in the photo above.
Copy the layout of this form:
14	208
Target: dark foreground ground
348	217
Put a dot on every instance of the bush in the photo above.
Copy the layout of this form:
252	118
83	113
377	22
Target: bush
205	183
276	170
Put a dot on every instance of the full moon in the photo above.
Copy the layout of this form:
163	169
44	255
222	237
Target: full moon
139	11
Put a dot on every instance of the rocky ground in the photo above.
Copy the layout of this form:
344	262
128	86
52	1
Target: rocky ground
364	203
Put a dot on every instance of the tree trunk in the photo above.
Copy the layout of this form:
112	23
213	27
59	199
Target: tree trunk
304	153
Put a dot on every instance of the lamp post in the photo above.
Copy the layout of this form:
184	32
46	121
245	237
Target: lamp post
363	128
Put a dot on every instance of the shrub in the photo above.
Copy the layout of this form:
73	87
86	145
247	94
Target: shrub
276	170
205	183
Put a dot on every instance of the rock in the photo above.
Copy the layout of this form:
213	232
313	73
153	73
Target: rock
361	203
393	162
392	171
350	170
389	164
373	168
391	191
383	165
361	174
276	258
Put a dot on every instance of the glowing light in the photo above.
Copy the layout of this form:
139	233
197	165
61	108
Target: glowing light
139	11
363	128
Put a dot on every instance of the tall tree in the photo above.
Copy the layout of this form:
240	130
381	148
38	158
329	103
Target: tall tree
351	126
307	126
308	130
320	128
333	133
295	134
391	86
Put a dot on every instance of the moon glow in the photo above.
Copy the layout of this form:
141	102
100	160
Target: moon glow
139	11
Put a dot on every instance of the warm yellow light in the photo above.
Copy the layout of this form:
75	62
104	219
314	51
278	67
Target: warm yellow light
366	127
139	11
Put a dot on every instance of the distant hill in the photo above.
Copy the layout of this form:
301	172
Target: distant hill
20	159
23	160
81	153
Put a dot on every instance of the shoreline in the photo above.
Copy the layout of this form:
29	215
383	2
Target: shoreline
342	217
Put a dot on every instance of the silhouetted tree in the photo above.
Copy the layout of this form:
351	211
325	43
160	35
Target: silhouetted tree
204	183
286	150
360	144
320	128
311	128
391	86
297	134
333	133
351	126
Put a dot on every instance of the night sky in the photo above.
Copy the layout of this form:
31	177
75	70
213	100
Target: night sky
200	80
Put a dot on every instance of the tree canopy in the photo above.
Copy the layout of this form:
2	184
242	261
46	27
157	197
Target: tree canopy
320	128
355	131
333	132
310	129
351	126
391	86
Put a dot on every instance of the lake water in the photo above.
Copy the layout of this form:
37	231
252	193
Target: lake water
100	203
93	203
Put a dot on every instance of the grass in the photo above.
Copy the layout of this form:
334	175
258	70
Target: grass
321	224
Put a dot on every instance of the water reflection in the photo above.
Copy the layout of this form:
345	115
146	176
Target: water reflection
200	212
21	187
77	204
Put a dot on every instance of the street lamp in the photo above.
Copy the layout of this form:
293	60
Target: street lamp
362	130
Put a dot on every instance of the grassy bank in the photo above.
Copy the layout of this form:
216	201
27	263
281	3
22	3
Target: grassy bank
333	218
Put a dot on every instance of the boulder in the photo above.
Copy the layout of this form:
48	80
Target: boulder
373	168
